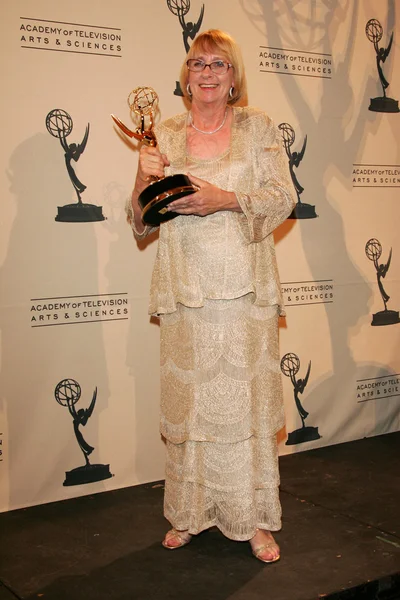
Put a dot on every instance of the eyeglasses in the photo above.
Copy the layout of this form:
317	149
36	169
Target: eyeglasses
217	66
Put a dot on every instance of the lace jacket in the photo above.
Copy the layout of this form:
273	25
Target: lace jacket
227	254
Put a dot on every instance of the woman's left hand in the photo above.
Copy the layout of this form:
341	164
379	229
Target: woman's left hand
207	200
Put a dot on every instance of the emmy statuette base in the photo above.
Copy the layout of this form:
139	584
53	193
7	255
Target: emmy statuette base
384	104
79	213
303	211
87	474
385	317
304	434
155	198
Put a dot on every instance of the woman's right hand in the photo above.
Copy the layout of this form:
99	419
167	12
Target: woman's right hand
151	165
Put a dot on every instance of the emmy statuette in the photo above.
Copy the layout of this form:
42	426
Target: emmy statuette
59	124
374	32
180	9
67	393
290	365
154	199
373	250
301	210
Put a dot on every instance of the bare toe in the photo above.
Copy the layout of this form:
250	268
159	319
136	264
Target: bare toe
264	546
176	539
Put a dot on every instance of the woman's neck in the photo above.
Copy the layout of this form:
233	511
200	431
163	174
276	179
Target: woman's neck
210	145
208	117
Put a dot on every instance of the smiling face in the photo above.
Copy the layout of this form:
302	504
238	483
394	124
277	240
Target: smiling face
219	44
206	86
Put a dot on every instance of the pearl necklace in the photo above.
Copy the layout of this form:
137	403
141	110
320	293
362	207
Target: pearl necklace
208	132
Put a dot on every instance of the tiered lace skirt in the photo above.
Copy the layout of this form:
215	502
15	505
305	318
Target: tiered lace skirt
221	407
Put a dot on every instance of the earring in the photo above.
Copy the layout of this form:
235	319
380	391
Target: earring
231	92
189	91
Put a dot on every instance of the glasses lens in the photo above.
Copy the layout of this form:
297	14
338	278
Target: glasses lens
195	65
219	67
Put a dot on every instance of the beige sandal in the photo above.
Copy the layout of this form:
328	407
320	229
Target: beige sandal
259	550
183	537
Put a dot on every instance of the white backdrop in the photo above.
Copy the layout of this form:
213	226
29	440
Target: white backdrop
74	296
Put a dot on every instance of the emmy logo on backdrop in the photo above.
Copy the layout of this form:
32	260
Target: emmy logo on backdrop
301	210
290	365
374	32
373	250
67	393
59	124
154	199
180	9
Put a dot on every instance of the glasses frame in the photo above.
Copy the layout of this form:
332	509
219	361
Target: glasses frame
228	65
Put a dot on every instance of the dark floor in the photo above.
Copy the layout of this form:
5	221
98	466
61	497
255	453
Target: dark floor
340	540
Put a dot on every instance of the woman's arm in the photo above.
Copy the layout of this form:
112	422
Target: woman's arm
151	164
273	197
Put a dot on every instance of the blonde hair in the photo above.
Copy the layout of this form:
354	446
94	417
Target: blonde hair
211	42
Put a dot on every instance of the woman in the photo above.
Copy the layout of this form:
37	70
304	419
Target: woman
216	290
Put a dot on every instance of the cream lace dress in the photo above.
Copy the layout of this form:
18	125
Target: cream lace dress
217	295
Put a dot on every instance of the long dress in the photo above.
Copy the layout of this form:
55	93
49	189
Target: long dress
215	287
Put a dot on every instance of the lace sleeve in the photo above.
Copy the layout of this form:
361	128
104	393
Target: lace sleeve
273	197
131	220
